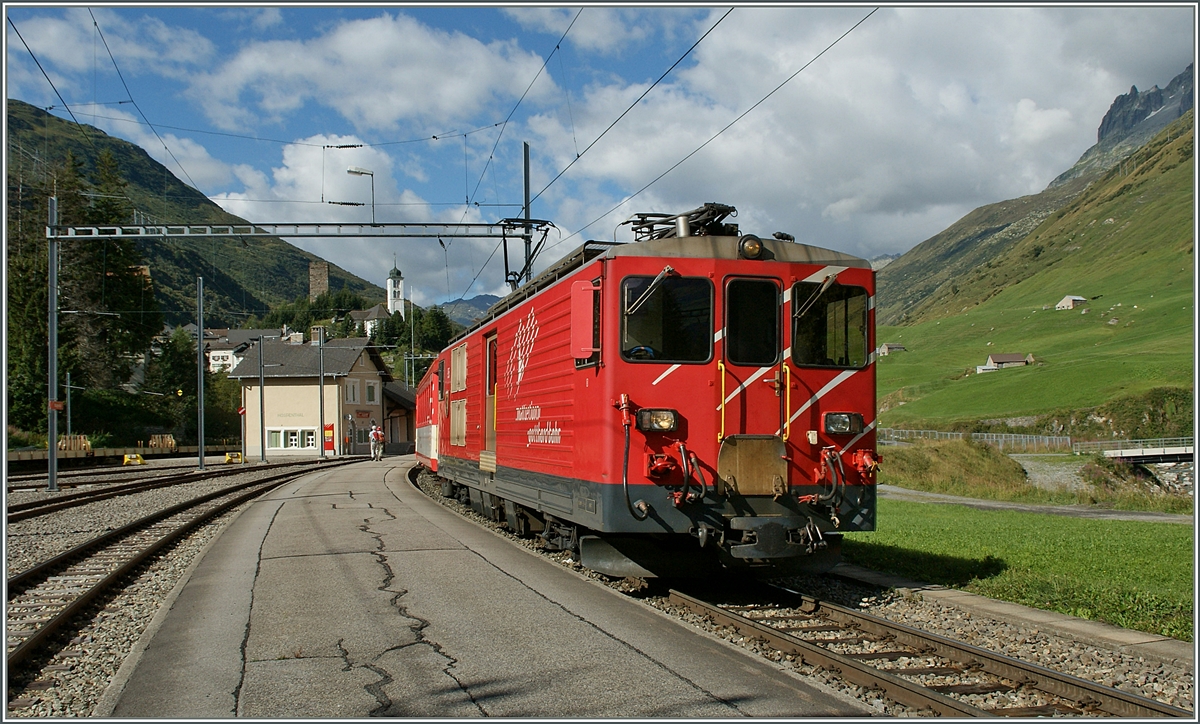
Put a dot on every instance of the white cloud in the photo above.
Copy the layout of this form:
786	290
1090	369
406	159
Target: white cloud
375	73
598	29
911	121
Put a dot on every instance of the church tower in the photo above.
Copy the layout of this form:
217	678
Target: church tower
395	289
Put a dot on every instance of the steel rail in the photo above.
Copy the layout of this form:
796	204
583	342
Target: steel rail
1087	693
99	472
34	508
31	644
1089	696
901	690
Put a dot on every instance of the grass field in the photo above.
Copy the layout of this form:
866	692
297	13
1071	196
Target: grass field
1131	574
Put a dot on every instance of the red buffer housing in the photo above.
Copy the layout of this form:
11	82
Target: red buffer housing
698	398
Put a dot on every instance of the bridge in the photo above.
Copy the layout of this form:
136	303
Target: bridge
1160	450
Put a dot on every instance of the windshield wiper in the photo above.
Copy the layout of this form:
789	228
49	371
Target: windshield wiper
649	290
815	295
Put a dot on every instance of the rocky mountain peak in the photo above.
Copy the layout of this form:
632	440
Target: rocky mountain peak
1131	109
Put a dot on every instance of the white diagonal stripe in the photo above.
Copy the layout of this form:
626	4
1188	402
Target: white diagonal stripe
663	376
820	393
859	436
826	271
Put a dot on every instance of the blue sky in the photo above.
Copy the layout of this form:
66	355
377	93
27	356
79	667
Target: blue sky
910	121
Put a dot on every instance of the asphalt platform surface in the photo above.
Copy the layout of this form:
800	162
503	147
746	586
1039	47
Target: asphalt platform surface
349	593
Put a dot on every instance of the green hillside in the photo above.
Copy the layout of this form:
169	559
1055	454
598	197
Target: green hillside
239	279
1126	243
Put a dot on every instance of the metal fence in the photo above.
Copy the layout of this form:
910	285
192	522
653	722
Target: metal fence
1162	442
1004	441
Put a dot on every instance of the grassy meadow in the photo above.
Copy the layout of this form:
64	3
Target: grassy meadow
1130	574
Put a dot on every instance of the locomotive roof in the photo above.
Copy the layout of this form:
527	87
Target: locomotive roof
689	247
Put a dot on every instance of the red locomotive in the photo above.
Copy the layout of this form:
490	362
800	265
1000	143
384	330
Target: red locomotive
698	398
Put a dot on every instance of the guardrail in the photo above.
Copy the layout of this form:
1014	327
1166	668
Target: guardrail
1005	441
1116	445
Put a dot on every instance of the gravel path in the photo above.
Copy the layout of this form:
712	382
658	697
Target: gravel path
1054	473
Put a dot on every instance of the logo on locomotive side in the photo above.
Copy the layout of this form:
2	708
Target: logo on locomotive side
518	357
550	434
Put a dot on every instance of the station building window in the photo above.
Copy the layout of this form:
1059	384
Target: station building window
292	439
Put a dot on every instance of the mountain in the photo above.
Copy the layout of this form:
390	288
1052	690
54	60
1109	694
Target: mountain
241	278
1131	121
466	311
907	286
1119	366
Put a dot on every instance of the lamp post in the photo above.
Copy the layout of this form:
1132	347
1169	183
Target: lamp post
262	416
321	392
357	171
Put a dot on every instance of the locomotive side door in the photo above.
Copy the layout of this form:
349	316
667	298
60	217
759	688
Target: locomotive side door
487	455
752	458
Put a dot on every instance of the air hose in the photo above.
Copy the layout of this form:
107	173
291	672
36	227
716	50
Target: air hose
640	505
700	475
687	474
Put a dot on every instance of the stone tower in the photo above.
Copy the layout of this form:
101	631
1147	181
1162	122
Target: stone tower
318	279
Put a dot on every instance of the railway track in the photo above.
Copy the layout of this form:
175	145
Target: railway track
45	598
90	476
113	489
918	669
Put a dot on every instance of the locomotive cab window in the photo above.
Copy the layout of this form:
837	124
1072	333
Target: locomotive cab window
752	322
829	327
666	319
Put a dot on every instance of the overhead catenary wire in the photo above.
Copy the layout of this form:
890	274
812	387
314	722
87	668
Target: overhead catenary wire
579	154
680	162
79	126
631	105
121	76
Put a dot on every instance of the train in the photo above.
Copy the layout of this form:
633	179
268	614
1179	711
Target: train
693	401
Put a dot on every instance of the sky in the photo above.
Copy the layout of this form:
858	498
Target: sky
858	128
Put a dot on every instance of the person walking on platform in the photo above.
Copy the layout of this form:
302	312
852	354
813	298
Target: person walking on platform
376	443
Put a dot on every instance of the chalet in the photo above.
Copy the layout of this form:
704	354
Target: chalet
356	396
1000	361
1070	302
888	347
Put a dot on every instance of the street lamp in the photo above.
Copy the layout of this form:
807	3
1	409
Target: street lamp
357	171
262	417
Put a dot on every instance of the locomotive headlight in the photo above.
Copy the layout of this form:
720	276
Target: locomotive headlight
843	423
657	420
750	246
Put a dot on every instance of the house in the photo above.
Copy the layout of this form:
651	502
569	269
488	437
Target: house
888	347
225	348
371	318
1000	361
356	379
1070	302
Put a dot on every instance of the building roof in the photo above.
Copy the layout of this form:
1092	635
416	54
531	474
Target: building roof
282	359
401	394
1006	358
376	312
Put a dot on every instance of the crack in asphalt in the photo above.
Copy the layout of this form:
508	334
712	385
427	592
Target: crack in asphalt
418	628
237	690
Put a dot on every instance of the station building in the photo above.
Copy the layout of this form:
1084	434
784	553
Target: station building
359	392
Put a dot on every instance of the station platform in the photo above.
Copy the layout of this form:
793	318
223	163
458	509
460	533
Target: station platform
349	594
